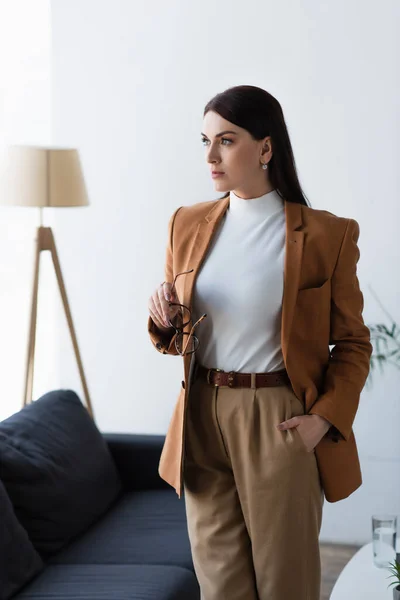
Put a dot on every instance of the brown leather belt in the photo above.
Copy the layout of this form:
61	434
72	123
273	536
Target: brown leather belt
217	377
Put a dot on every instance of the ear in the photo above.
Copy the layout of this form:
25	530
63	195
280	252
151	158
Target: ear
267	146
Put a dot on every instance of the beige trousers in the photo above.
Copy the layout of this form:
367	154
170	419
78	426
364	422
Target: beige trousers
252	494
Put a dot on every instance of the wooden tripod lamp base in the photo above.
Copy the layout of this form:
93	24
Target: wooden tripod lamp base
45	241
44	177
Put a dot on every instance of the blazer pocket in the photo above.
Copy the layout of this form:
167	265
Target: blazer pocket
312	313
315	288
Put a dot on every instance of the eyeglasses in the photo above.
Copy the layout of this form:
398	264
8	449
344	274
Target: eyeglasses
192	342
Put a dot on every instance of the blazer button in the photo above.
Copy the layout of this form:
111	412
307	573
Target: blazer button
159	345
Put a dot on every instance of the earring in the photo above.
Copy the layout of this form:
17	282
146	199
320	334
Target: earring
264	166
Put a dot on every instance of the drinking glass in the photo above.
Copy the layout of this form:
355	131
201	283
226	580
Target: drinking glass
384	531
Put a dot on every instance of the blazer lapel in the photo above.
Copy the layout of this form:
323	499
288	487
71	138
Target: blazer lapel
292	262
293	259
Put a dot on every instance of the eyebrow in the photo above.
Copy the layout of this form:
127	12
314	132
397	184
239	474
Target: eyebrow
221	133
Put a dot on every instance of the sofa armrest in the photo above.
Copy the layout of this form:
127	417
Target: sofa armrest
136	457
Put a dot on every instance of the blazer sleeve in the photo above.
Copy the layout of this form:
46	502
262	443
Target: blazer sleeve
163	342
349	362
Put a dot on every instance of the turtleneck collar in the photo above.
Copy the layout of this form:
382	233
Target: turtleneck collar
261	206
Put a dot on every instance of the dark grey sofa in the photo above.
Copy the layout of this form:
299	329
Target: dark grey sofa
85	514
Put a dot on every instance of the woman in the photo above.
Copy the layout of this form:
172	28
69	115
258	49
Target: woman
258	286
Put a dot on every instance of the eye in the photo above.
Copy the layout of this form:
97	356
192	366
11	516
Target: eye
222	139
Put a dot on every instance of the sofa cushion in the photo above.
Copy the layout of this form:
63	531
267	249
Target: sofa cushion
143	527
57	469
119	582
19	561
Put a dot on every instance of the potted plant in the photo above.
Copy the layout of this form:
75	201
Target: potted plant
386	342
394	568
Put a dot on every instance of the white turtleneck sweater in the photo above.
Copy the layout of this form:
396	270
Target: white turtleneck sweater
240	287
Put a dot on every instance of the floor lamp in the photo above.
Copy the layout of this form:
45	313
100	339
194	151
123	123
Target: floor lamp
44	177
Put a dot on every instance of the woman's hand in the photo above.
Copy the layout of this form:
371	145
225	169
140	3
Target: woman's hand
312	428
160	309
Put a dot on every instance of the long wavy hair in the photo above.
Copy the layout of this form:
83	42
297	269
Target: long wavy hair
257	111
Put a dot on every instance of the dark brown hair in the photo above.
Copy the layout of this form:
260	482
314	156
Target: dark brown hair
257	111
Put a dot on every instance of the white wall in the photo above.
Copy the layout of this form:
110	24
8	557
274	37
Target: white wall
25	118
129	83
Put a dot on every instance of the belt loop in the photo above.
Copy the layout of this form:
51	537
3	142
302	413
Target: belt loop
253	381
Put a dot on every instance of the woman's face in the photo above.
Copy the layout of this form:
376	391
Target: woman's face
232	150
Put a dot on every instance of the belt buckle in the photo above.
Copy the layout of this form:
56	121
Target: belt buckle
231	378
208	376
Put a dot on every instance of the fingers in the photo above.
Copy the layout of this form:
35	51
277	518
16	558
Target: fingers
159	308
168	290
292	422
156	318
167	311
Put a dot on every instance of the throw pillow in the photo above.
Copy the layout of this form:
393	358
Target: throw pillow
57	469
19	561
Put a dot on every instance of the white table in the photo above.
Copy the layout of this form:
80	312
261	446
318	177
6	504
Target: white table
362	580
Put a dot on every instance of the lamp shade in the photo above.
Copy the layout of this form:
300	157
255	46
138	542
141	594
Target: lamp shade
38	176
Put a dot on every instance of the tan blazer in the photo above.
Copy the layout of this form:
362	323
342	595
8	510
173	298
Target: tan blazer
322	306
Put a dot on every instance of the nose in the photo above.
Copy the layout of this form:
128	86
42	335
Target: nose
212	153
212	158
